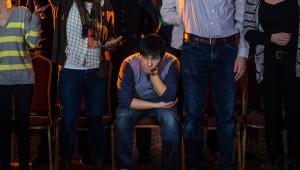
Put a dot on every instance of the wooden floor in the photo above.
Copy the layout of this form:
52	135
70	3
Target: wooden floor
256	157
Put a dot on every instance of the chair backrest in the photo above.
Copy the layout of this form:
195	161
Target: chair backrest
43	72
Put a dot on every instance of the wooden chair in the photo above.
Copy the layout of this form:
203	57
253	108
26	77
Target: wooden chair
83	121
41	99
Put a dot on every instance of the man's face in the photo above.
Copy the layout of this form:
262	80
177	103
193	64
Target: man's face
150	63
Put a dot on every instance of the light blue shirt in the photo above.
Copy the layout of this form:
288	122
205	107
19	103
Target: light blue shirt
214	19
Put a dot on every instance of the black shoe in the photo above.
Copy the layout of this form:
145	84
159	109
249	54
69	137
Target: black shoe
144	159
293	165
99	165
65	165
277	164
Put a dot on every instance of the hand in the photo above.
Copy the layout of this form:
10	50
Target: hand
113	42
92	43
281	38
167	105
240	66
149	70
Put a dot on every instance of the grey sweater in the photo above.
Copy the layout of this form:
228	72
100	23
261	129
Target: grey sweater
20	33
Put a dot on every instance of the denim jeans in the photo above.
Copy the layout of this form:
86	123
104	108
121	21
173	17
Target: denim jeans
169	127
19	96
76	85
201	64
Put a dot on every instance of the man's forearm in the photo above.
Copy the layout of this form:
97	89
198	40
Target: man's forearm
140	104
158	85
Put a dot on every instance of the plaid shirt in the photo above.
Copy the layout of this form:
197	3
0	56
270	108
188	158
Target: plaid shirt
77	51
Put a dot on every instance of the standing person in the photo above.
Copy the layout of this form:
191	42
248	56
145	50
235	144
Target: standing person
19	31
147	87
273	26
214	50
134	19
170	14
82	28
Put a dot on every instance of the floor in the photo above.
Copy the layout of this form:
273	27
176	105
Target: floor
256	155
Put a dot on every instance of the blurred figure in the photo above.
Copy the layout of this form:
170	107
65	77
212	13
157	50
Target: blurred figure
83	30
147	87
276	39
19	31
134	19
214	52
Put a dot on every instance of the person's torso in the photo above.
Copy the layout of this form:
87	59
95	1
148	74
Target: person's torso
15	60
209	18
143	87
281	17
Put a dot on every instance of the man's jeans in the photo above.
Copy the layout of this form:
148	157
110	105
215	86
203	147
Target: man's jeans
203	64
76	85
169	126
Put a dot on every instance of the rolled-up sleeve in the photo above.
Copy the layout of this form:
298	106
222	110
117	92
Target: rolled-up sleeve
125	85
32	29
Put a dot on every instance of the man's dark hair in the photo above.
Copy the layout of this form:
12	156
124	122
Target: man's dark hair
152	45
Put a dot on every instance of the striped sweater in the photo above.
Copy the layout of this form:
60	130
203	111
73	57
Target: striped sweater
19	34
251	22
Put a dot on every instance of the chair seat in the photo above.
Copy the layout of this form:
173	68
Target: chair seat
40	121
255	119
83	121
147	121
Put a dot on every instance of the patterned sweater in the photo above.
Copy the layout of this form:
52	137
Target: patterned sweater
20	33
251	22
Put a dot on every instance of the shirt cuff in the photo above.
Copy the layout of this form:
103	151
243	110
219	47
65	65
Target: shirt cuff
243	52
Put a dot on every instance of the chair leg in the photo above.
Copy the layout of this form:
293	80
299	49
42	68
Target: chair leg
182	153
56	148
50	149
244	147
239	147
112	148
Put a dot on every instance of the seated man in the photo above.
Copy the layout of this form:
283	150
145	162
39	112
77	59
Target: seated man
147	87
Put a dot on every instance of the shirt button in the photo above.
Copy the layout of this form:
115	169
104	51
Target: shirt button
211	23
213	11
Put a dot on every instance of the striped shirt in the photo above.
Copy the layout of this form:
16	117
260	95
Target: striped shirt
214	19
20	33
79	56
251	22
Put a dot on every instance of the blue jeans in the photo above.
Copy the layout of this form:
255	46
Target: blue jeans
203	63
169	126
76	85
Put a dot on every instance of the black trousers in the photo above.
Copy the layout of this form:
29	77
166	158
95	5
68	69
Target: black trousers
19	96
280	96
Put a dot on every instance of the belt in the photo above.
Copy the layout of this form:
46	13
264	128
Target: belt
234	39
282	54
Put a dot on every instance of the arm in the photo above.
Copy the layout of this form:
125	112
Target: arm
32	28
252	34
243	47
169	12
171	82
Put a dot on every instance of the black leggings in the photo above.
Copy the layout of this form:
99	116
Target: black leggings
20	97
281	92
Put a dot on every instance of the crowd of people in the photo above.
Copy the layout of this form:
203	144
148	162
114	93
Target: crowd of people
165	54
